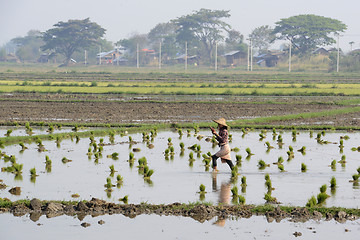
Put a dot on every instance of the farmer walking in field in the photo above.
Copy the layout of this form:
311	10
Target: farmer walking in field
223	138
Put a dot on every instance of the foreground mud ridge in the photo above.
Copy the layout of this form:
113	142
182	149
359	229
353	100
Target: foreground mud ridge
199	212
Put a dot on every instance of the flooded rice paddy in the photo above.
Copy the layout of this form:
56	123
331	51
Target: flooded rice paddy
170	227
175	179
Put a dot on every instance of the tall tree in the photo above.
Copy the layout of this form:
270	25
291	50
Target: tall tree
28	47
262	37
164	33
307	32
71	36
235	41
133	41
205	26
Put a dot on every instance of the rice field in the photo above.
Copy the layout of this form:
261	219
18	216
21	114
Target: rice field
180	88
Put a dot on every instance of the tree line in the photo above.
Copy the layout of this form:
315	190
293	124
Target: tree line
200	31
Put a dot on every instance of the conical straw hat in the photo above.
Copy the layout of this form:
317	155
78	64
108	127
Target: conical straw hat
221	121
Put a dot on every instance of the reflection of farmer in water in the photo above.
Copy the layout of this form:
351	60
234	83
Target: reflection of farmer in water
222	138
224	198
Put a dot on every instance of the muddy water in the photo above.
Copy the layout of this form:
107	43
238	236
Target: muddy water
175	181
170	227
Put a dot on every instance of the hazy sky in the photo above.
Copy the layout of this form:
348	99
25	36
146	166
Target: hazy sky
121	18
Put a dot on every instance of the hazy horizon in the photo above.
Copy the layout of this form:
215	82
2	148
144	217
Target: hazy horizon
122	18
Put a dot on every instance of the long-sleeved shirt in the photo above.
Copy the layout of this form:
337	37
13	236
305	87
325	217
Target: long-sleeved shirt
223	136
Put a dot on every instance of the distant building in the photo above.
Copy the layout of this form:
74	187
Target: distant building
109	57
148	56
194	59
269	59
321	51
235	58
11	58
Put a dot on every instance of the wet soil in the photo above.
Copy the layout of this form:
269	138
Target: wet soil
120	109
199	212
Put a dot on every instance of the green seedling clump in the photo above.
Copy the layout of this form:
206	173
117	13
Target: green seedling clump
112	169
281	168
248	151
343	159
269	198
148	172
303	167
243	181
321	198
241	200
124	199
234	191
180	132
202	188
291	149
302	150
268	184
262	164
268	145
267	177
236	149
113	156
323	188
108	184
8	132
311	202
23	147
33	172
333	183
355	177
142	162
119	178
65	160
238	160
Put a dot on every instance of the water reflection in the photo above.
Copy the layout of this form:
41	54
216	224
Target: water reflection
224	196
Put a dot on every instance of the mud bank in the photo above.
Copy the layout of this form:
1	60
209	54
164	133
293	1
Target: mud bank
199	212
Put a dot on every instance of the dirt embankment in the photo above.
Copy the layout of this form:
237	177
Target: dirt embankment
201	213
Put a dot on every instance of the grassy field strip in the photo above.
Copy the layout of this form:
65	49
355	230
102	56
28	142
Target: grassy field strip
183	90
297	116
176	84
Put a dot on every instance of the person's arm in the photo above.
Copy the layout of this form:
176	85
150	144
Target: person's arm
219	138
214	132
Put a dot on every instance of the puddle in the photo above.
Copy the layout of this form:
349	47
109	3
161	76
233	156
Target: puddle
176	181
170	227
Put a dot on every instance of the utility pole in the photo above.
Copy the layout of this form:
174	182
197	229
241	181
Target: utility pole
248	58
85	56
338	53
186	55
251	55
290	46
160	55
216	57
100	55
137	55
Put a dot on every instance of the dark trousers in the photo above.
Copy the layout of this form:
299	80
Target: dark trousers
214	158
